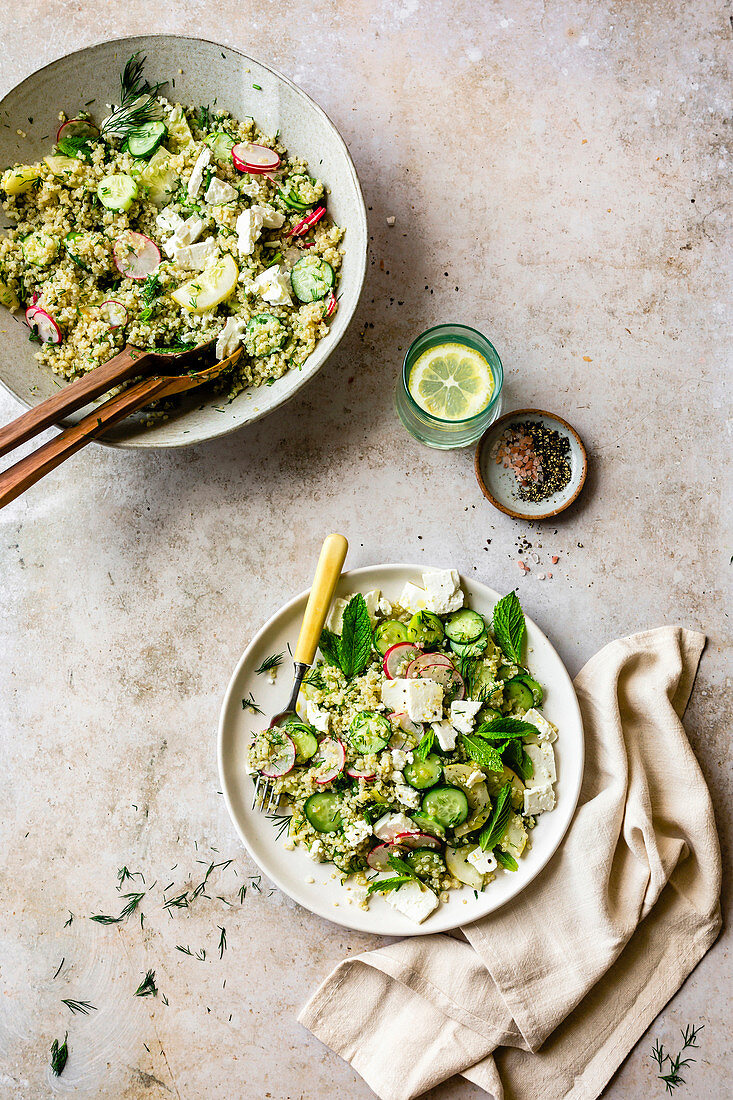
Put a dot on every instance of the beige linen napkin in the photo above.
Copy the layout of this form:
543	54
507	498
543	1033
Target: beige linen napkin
551	992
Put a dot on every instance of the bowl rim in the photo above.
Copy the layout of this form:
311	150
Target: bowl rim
303	378
506	418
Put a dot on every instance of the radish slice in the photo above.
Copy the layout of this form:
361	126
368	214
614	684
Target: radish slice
417	840
32	308
331	305
424	659
114	313
403	720
136	256
360	773
448	677
249	157
378	858
44	324
303	226
77	127
329	761
397	656
283	759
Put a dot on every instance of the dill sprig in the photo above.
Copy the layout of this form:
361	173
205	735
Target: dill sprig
79	1006
131	903
59	1054
138	103
222	941
315	679
281	824
200	955
59	968
273	661
180	902
123	874
147	987
673	1078
250	704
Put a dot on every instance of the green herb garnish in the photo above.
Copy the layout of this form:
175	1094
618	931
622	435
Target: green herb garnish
483	753
672	1078
132	902
504	860
352	651
509	627
147	987
496	826
249	704
503	729
273	661
425	746
84	1007
59	1054
222	941
405	874
138	104
200	955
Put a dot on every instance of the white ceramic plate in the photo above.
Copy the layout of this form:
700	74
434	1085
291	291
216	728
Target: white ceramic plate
289	870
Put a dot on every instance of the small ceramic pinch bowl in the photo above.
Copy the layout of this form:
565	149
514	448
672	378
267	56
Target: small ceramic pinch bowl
499	485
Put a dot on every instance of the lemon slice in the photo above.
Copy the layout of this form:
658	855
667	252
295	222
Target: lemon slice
208	289
451	382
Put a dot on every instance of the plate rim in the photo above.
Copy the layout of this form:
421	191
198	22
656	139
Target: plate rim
138	442
570	802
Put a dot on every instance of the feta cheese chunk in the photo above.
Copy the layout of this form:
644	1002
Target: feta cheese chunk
271	218
539	799
230	337
543	762
394	694
184	233
415	901
357	831
475	778
391	825
446	735
248	226
463	714
424	700
219	191
274	286
371	599
335	621
413	598
319	719
195	257
545	730
385	607
406	796
399	759
197	175
168	220
443	591
484	862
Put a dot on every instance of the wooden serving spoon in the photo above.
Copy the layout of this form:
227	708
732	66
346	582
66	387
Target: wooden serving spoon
130	363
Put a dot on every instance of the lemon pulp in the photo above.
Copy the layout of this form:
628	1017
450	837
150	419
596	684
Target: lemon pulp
451	382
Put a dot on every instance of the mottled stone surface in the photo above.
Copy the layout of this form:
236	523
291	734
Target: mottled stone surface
558	176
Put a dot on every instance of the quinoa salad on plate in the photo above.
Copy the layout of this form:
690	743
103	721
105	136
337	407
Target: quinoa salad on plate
165	226
420	760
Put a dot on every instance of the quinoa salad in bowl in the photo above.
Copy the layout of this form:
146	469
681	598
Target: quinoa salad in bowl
420	761
168	225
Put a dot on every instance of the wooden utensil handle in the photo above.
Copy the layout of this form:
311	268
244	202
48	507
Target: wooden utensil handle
126	365
33	467
328	571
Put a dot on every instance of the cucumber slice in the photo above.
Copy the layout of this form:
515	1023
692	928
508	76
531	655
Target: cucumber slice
264	335
488	714
221	145
304	739
428	825
471	649
534	687
456	860
369	733
143	141
311	278
117	192
389	633
464	626
425	629
447	805
422	774
323	811
518	694
506	672
425	862
296	194
483	683
38	248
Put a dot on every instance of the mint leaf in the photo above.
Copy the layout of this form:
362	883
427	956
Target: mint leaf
509	627
501	729
355	646
329	647
506	861
425	747
387	884
483	753
515	757
496	826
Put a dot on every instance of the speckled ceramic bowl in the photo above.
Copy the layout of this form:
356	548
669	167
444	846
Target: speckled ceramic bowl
204	72
500	486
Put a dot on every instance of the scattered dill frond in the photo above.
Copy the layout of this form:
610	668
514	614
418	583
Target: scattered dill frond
84	1007
59	1054
59	968
673	1078
249	704
281	824
315	680
147	987
180	902
273	661
68	922
123	874
200	955
242	892
131	903
222	941
138	103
